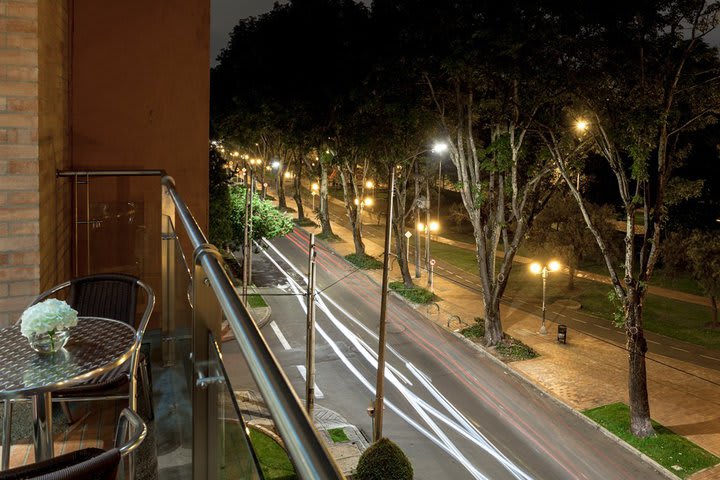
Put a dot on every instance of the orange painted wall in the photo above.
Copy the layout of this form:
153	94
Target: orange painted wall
139	100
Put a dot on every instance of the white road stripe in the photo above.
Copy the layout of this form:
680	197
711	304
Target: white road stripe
318	392
681	349
281	337
604	328
652	341
711	358
421	408
578	320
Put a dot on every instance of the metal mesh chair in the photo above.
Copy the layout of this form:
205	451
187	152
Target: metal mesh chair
108	296
90	463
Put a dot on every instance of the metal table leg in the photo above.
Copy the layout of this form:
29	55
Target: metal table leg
42	427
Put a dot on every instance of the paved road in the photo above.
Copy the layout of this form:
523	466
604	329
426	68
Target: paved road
454	412
576	320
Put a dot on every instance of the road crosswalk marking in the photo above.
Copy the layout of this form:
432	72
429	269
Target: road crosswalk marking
281	337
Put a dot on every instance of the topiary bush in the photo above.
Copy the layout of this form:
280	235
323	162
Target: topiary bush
384	460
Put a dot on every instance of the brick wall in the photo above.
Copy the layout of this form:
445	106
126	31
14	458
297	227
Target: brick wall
19	159
34	212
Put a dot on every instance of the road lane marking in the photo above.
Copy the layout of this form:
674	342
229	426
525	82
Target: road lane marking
578	320
418	405
652	341
318	392
604	328
681	349
711	358
281	337
561	315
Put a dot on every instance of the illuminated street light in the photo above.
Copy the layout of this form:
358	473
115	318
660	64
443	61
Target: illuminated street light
315	187
581	125
368	202
275	164
439	147
370	184
536	268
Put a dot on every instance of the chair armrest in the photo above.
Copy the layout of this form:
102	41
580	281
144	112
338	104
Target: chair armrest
137	431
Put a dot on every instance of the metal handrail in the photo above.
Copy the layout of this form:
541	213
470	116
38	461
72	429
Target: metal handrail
308	452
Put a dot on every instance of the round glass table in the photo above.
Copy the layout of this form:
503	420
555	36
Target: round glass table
96	345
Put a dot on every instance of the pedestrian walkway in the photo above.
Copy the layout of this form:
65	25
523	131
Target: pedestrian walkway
586	372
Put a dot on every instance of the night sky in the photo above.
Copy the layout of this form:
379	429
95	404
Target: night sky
224	15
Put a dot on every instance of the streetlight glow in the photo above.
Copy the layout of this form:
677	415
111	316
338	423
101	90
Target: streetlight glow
368	202
421	226
440	147
370	184
434	226
535	268
554	266
357	201
581	125
315	187
275	164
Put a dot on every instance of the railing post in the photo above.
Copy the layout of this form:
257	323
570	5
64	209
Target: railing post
207	318
168	260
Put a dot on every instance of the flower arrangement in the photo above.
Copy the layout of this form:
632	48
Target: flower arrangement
46	319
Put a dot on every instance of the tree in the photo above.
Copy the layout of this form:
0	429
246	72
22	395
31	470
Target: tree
640	78
489	69
560	230
698	253
221	233
267	221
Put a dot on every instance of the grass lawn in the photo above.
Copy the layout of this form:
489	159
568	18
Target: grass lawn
338	435
681	320
273	459
256	301
670	450
365	261
416	294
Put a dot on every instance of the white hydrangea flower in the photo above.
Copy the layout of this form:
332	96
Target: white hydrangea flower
47	316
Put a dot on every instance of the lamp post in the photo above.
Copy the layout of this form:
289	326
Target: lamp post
408	234
314	191
432	226
543	270
439	148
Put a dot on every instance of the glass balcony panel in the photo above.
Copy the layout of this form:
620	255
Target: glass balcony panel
235	457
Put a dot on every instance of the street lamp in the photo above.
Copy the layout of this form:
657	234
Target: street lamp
428	229
543	270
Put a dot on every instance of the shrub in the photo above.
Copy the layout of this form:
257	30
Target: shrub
384	460
475	331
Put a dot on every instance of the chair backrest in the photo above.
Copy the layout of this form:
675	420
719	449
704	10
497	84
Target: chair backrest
79	465
108	295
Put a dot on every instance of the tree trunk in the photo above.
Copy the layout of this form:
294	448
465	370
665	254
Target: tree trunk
357	237
324	205
297	194
640	424
713	302
353	211
493	327
571	277
416	220
401	250
282	203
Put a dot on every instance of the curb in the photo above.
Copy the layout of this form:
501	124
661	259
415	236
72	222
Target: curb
265	319
659	468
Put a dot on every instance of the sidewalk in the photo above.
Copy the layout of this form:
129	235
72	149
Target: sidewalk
586	372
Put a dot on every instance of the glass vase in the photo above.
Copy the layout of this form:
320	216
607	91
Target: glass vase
49	342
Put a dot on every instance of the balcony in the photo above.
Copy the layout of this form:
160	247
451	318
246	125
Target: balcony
208	395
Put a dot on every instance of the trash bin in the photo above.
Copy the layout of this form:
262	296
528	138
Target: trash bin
562	334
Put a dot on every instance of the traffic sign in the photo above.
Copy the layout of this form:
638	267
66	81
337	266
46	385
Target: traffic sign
432	262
